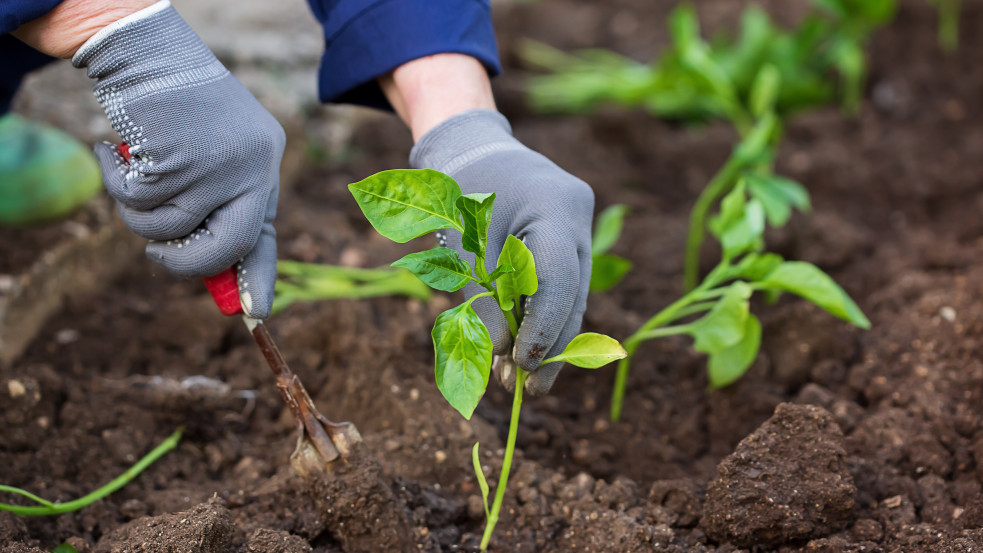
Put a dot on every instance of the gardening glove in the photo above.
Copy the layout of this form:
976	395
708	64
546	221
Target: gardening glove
203	178
537	202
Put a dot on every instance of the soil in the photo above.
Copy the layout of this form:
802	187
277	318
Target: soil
837	440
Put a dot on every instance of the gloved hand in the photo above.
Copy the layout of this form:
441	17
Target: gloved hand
203	180
539	203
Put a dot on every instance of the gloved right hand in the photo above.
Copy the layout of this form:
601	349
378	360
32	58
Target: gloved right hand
203	179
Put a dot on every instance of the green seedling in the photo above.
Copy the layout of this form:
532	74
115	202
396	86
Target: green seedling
406	204
716	313
948	23
695	80
47	508
297	281
607	268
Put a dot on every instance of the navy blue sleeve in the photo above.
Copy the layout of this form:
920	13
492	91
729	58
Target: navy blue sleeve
14	13
366	39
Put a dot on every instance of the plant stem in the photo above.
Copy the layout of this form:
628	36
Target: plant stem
48	508
721	183
679	308
949	24
503	478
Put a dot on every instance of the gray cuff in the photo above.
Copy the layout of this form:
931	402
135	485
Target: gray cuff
463	139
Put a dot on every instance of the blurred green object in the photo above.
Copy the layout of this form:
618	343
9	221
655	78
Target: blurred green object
45	174
297	281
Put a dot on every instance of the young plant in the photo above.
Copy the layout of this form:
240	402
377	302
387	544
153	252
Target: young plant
607	268
406	204
716	313
47	508
297	281
948	23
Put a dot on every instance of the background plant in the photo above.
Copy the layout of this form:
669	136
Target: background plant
607	269
406	204
297	281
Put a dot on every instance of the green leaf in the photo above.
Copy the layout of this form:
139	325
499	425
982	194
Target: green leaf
439	268
764	90
482	483
740	224
725	324
64	548
754	267
499	271
607	271
607	229
522	281
778	196
463	351
810	282
476	210
730	363
403	204
589	350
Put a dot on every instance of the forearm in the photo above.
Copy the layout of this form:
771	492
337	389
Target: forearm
64	29
428	90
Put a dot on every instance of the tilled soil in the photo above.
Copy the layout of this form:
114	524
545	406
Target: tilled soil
837	439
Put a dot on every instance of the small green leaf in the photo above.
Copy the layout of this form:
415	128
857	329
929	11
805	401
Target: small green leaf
439	268
607	229
499	271
764	90
403	204
476	210
740	224
463	352
482	483
725	324
730	363
607	271
589	350
778	196
810	282
64	548
754	267
522	281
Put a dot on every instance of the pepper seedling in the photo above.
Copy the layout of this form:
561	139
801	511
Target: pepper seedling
404	204
607	269
726	330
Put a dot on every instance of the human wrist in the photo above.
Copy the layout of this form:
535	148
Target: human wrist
429	90
63	30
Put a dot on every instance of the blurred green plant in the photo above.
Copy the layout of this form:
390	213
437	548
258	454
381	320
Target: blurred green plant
696	80
297	281
607	268
948	22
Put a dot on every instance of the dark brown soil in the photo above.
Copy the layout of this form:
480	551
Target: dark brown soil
889	457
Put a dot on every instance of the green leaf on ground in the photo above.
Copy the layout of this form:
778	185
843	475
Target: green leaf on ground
590	351
476	210
810	282
730	363
522	281
403	204
463	351
440	268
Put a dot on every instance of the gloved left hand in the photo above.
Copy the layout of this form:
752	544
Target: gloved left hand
537	202
203	180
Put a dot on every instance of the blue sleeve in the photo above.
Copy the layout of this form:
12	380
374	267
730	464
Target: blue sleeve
14	13
366	39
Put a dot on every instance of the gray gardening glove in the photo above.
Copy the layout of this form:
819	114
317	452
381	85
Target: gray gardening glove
539	203
203	180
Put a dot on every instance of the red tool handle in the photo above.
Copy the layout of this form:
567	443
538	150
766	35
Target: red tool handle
223	286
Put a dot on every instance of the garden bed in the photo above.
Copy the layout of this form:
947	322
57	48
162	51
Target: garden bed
878	448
